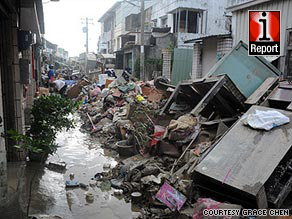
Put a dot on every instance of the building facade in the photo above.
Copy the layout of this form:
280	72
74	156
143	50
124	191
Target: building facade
50	52
240	27
190	19
184	20
21	27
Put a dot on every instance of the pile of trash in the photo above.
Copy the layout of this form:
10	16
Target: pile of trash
184	149
157	153
121	113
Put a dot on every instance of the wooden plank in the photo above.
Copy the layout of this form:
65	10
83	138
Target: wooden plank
209	96
170	99
261	91
245	158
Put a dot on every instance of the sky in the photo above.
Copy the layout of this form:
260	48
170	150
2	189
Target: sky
63	24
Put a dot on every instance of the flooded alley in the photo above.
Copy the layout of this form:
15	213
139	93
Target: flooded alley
84	157
145	109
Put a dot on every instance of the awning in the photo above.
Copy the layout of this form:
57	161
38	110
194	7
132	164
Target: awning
223	35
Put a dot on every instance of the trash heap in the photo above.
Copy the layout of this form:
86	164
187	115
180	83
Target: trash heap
157	153
194	148
121	114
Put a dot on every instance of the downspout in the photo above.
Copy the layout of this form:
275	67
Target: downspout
178	31
187	17
206	22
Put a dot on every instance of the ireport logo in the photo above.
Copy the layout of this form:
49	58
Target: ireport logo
264	33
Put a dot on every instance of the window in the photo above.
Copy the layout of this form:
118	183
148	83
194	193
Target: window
107	25
155	23
164	22
290	38
186	21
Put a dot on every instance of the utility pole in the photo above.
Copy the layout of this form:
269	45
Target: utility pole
86	55
86	30
142	54
86	35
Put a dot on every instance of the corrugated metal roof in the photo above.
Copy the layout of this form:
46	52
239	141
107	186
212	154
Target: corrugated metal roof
241	27
222	35
245	5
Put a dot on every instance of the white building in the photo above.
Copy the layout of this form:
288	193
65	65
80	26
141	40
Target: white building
108	26
187	20
116	22
191	19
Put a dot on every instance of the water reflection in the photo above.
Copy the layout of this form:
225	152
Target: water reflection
84	158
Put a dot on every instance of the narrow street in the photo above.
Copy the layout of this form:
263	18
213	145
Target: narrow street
145	109
84	158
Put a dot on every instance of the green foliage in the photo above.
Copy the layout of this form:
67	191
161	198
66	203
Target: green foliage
170	46
49	115
154	63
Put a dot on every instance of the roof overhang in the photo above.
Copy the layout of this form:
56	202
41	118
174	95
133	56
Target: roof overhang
108	56
29	21
109	12
185	8
199	39
32	17
246	5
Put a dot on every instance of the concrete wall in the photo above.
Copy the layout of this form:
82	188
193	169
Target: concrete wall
209	54
212	21
167	41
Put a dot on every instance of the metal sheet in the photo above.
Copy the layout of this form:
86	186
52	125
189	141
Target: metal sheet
261	91
182	65
281	94
245	158
246	72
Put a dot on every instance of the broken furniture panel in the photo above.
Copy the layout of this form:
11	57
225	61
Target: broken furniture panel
217	96
222	97
281	97
244	160
246	72
279	185
263	91
182	92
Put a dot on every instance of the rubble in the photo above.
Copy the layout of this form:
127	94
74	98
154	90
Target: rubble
174	147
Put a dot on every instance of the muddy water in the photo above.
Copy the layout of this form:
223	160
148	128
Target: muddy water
84	158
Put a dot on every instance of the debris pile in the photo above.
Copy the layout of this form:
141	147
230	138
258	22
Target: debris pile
179	149
121	114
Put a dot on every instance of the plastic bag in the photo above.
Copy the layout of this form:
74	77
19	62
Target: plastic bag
266	120
139	98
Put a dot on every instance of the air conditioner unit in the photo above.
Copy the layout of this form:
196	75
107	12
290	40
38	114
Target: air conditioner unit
25	39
